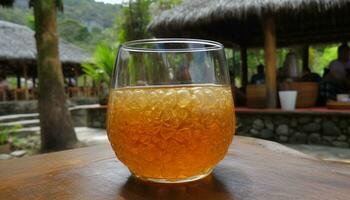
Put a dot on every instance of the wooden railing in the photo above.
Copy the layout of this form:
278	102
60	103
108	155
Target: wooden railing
20	94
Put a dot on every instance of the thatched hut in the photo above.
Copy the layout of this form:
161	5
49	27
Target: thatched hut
18	53
254	23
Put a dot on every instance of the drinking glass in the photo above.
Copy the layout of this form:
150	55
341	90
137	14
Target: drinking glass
170	110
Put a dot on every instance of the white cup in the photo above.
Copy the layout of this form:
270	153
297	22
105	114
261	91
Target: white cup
342	97
288	99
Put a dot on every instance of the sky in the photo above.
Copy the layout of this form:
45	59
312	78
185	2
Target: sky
111	1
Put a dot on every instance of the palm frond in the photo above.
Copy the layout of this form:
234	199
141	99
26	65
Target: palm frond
102	68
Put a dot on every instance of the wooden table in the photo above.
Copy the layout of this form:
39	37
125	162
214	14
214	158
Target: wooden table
253	169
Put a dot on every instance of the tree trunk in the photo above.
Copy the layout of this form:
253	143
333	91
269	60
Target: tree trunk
57	131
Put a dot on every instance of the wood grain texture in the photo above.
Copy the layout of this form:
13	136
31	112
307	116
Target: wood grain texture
252	169
270	49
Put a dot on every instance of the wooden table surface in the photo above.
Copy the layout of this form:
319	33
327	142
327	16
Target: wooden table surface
253	169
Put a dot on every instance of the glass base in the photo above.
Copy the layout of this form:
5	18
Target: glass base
184	180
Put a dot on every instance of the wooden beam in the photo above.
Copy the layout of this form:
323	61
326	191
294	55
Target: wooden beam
305	52
270	60
244	59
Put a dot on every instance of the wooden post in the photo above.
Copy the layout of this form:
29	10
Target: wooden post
270	60
244	59
305	51
34	81
85	86
34	89
25	74
94	88
18	80
233	82
76	76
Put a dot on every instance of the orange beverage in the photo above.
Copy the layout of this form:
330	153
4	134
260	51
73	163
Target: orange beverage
172	132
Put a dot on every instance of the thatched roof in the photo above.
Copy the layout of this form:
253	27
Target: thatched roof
17	43
240	21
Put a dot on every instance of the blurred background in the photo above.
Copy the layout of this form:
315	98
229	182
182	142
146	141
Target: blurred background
89	33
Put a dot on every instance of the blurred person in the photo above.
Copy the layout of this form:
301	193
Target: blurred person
259	77
325	72
308	76
290	67
329	88
239	97
280	74
341	65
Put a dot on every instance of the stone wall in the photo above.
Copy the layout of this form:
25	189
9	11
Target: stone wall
80	117
323	128
93	116
97	117
18	107
329	129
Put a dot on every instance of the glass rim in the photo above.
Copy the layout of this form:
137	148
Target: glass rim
134	46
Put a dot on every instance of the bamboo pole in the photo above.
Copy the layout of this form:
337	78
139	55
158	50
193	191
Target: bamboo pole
270	60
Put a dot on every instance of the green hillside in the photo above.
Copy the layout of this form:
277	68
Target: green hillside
83	22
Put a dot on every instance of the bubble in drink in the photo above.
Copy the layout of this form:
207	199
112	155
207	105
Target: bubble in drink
171	132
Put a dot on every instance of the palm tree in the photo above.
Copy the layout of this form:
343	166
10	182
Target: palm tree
57	131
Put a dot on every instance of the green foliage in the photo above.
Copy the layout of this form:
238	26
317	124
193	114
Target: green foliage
133	23
102	69
4	136
95	21
167	4
73	31
90	13
321	56
16	14
5	133
87	23
255	57
158	6
30	21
